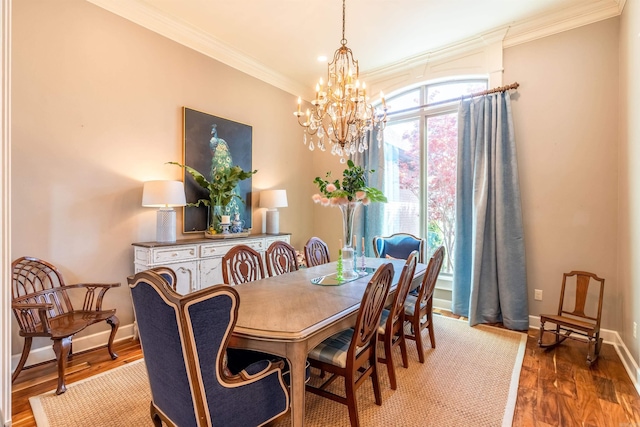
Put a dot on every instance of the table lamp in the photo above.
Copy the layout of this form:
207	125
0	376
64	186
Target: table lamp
273	199
164	195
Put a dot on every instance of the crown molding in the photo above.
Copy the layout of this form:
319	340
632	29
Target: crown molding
152	19
563	20
445	53
519	32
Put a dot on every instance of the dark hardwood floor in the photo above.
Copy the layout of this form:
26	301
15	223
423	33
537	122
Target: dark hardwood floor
556	386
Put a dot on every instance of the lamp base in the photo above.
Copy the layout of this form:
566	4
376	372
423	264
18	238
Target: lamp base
166	225
273	221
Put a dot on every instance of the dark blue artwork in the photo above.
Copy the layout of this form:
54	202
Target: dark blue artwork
212	142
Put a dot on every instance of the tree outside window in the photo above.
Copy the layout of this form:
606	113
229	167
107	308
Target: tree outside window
420	157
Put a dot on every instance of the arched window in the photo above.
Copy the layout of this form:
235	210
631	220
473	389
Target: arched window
420	150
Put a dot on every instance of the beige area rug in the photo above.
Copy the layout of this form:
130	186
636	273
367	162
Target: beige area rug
470	379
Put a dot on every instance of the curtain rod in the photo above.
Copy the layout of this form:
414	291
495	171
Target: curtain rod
460	98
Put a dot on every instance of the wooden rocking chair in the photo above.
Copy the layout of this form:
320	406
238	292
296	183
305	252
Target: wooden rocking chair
576	321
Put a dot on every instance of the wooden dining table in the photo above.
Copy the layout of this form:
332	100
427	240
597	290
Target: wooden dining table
288	315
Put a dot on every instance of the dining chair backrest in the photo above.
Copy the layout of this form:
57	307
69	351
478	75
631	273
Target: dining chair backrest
391	330
398	245
373	301
242	264
419	309
428	286
184	341
402	290
280	258
316	252
167	274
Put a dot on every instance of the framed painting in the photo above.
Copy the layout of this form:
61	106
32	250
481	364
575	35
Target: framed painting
212	142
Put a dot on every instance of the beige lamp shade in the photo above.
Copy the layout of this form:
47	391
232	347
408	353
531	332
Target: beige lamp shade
163	194
272	200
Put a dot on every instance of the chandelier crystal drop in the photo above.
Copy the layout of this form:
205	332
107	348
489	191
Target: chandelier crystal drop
340	112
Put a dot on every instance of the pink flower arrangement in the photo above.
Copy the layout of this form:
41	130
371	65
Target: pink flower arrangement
353	188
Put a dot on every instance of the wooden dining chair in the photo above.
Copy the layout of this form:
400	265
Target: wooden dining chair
418	309
41	303
583	320
280	258
316	252
352	352
399	246
391	329
241	264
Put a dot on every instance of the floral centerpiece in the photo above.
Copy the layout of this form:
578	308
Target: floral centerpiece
347	194
222	191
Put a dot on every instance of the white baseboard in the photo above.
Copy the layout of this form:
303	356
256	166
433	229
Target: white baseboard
100	339
442	304
613	338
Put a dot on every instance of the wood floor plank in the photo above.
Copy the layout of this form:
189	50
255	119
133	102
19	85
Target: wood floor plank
587	398
528	378
630	404
524	414
615	415
569	412
605	389
547	407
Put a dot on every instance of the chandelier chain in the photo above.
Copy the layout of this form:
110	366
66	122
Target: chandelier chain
344	13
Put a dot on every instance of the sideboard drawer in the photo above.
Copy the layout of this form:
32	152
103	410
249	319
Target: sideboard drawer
217	249
220	249
257	245
176	253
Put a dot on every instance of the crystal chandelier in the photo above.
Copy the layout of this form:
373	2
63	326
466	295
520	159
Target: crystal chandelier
340	112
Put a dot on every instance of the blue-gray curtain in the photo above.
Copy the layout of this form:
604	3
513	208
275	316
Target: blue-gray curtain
489	279
368	221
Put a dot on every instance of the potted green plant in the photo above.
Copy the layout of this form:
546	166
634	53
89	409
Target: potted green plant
221	191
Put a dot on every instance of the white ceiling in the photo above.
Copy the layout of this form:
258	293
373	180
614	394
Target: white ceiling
278	41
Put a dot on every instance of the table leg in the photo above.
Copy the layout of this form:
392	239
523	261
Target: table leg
297	358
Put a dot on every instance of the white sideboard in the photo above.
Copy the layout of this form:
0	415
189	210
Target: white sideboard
197	262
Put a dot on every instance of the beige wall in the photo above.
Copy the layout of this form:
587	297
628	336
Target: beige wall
629	187
97	110
566	122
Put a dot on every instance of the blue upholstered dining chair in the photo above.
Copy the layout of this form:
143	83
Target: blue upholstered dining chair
398	245
184	341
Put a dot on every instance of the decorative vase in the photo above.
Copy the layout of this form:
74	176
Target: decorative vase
348	251
214	219
237	225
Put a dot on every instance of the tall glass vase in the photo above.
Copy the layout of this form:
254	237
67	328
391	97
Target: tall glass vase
348	251
215	216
